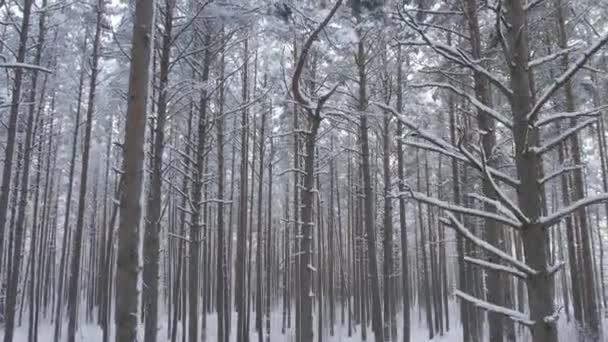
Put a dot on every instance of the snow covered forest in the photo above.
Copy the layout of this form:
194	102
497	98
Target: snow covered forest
303	170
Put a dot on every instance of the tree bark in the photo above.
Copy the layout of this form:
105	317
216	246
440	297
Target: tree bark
368	195
154	208
528	164
79	228
133	159
11	138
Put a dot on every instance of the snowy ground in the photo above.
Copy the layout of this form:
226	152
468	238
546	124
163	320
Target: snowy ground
92	333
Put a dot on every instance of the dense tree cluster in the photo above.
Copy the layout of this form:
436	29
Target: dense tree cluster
192	170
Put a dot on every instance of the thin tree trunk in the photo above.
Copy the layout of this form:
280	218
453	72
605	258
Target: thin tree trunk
79	228
10	144
154	211
66	226
197	217
592	318
240	296
389	315
258	259
221	291
402	208
368	196
269	238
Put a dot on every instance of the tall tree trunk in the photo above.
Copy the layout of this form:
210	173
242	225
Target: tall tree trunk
66	226
127	268
223	307
240	296
528	164
368	196
591	315
305	314
269	238
79	228
10	142
496	293
306	245
154	210
331	229
197	218
258	259
402	208
389	317
33	326
180	273
20	225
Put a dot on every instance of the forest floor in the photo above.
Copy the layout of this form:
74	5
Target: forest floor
91	332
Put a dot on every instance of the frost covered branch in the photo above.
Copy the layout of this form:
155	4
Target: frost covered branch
558	173
453	222
455	55
443	146
555	267
496	204
566	76
482	304
552	219
593	112
297	74
496	267
544	59
563	136
502	197
472	99
458	156
25	66
463	210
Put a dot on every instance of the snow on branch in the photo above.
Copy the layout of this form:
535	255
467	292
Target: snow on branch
297	74
544	59
25	66
463	210
247	104
496	267
424	134
553	317
458	156
566	76
482	304
502	197
555	267
434	12
291	170
563	136
180	237
453	222
555	217
472	99
593	112
441	146
455	54
559	172
532	4
496	204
